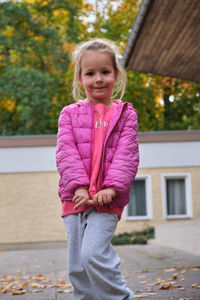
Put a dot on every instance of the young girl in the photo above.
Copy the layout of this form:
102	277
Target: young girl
97	159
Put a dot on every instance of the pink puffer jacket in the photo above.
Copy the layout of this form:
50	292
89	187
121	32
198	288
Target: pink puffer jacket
120	157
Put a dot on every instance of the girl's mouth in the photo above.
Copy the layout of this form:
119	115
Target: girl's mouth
99	87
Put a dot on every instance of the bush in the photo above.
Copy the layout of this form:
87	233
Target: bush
137	237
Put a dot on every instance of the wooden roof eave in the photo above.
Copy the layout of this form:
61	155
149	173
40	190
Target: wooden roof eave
137	25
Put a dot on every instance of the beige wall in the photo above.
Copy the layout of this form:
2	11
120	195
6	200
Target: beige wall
30	207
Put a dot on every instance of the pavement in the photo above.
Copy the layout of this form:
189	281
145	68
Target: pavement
152	271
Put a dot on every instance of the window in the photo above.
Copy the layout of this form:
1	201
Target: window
177	195
139	206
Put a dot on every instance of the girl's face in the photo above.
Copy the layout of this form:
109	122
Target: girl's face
97	76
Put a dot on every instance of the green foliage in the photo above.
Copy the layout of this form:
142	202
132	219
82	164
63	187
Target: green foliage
141	94
34	63
29	93
137	237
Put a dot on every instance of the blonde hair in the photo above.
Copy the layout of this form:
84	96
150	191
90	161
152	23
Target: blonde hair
110	48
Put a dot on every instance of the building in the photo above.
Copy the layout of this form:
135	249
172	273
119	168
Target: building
30	207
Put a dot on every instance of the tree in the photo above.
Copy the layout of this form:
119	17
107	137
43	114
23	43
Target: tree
34	62
181	103
37	38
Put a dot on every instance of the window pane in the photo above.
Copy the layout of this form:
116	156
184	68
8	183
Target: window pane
176	202
137	204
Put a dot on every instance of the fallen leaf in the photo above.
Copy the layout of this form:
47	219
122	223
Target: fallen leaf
25	284
158	279
166	287
195	286
157	282
55	285
67	291
37	285
40	277
174	276
143	282
8	287
140	296
171	282
185	299
151	291
146	271
18	292
169	269
182	288
37	291
64	291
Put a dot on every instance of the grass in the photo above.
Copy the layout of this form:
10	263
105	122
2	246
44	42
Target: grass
136	237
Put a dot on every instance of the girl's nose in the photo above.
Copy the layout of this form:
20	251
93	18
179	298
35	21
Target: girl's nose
98	77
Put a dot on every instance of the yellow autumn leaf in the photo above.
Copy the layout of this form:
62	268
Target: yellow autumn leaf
166	287
8	287
18	292
182	288
37	291
37	285
143	282
157	282
195	286
174	276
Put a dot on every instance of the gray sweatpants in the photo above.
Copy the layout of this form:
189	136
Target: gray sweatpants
92	261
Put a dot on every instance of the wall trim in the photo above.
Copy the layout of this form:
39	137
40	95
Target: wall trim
144	137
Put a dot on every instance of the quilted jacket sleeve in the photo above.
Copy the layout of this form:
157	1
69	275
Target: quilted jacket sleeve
68	159
124	166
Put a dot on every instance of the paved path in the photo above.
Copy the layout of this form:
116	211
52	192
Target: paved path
148	270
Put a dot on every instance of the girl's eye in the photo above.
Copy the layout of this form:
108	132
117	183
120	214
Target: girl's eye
106	72
89	73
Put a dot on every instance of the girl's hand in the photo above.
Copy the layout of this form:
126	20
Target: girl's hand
104	196
81	197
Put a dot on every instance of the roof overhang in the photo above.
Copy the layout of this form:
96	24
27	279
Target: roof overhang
165	39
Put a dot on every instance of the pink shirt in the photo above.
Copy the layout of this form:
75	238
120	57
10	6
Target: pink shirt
102	116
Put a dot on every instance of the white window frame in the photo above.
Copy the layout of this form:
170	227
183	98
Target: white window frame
148	192
188	194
